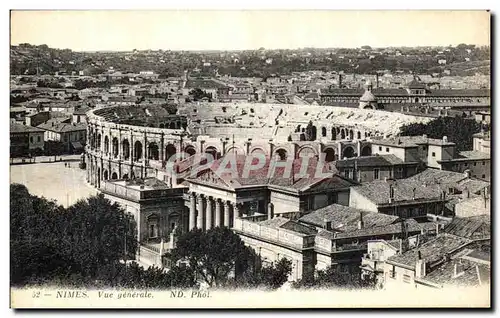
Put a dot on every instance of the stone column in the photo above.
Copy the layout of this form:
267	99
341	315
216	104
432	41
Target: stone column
226	214
218	215
208	217
162	148
236	212
199	218
192	211
339	150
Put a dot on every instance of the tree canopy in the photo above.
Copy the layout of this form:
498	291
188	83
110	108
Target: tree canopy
458	130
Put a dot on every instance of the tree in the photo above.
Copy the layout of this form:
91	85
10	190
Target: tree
198	94
458	130
212	255
332	277
50	243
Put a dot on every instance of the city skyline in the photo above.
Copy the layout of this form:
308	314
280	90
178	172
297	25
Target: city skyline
246	30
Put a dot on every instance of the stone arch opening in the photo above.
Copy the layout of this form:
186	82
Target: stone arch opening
153	151
126	149
190	150
171	125
213	151
306	152
330	155
366	151
98	145
170	150
334	134
105	175
348	152
125	176
351	134
115	147
359	134
258	150
342	134
106	145
323	131
137	150
297	129
162	125
281	154
235	151
114	176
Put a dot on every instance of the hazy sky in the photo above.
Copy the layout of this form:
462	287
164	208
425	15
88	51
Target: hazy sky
225	30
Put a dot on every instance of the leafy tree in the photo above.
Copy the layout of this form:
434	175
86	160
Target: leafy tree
458	130
212	255
332	277
198	94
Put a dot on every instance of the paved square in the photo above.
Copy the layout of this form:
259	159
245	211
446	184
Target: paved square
53	181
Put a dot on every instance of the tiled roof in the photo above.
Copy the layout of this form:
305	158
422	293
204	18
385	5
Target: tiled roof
308	182
404	190
467	227
204	83
431	251
63	127
410	141
474	154
345	218
370	161
444	275
20	128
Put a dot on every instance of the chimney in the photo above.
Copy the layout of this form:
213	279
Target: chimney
173	239
414	190
425	136
467	173
340	80
420	266
270	211
437	228
445	139
376	80
361	224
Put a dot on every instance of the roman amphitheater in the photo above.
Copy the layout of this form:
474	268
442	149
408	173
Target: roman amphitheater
126	142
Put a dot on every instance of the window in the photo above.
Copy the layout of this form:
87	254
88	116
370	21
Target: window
31	139
39	139
66	138
483	163
483	176
433	154
380	148
376	173
466	165
474	164
386	149
393	272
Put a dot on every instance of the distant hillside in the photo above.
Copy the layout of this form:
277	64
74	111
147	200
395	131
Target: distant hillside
468	68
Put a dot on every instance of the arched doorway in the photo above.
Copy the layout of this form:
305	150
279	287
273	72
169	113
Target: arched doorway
152	222
169	151
334	134
314	134
366	151
98	145
348	152
105	175
342	134
351	134
323	132
125	176
329	155
137	151
281	154
126	149
359	134
114	176
171	125
153	151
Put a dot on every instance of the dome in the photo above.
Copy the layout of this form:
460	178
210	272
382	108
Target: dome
368	97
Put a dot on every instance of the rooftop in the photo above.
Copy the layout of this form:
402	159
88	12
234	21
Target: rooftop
411	141
473	227
370	161
63	127
20	128
431	251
